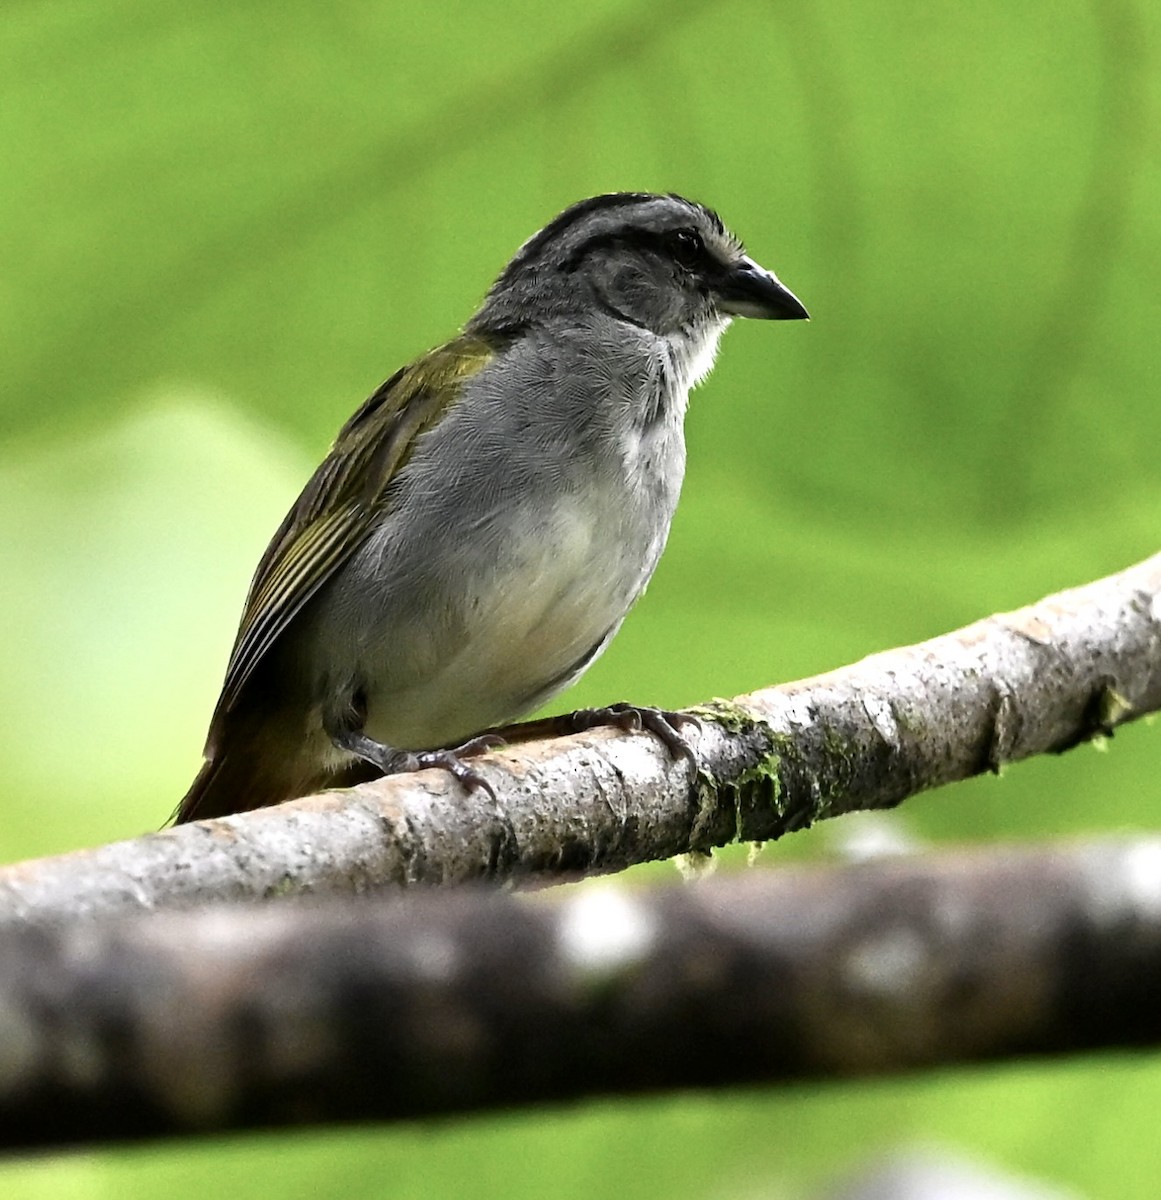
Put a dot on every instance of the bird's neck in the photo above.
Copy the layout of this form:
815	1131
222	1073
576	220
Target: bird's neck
693	350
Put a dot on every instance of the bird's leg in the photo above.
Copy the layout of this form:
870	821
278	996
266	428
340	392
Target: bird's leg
347	732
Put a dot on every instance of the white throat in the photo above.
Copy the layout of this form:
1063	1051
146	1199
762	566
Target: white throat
693	351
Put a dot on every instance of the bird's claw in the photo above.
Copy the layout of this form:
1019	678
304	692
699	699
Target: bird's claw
452	761
449	760
632	718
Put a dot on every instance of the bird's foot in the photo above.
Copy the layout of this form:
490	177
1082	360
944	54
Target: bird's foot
396	762
453	760
632	718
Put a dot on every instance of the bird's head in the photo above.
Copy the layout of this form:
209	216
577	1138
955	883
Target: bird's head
660	262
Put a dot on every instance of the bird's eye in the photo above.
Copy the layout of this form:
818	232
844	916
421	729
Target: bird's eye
688	247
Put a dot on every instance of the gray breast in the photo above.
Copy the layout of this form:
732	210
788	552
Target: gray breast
517	537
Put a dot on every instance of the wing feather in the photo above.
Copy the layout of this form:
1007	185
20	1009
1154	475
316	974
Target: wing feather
343	500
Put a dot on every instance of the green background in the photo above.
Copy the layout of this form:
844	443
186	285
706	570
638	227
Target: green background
225	223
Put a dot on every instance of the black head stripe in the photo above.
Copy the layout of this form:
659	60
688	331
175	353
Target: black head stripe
532	249
571	216
609	232
709	214
632	237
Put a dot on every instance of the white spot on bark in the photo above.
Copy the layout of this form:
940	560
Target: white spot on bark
433	956
604	930
1140	878
887	965
865	836
882	716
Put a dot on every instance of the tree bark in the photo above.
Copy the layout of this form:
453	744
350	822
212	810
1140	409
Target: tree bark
307	1012
1041	679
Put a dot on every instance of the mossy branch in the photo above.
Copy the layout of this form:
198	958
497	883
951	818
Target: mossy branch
1039	680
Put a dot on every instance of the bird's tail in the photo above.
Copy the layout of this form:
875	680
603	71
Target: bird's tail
232	782
253	762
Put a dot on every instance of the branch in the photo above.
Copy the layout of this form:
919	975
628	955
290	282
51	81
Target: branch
448	1002
1038	680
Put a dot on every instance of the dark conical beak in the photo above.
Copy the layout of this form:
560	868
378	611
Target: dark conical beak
749	290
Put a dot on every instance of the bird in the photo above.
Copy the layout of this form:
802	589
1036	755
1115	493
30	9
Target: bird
484	522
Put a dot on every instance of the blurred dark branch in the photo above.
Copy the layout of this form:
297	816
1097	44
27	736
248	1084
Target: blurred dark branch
1042	679
448	1002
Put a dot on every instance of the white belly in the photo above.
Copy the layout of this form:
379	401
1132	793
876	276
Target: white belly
521	633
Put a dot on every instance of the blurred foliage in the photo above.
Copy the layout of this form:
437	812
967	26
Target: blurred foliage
226	223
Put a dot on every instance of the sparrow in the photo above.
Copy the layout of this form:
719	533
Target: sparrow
484	522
